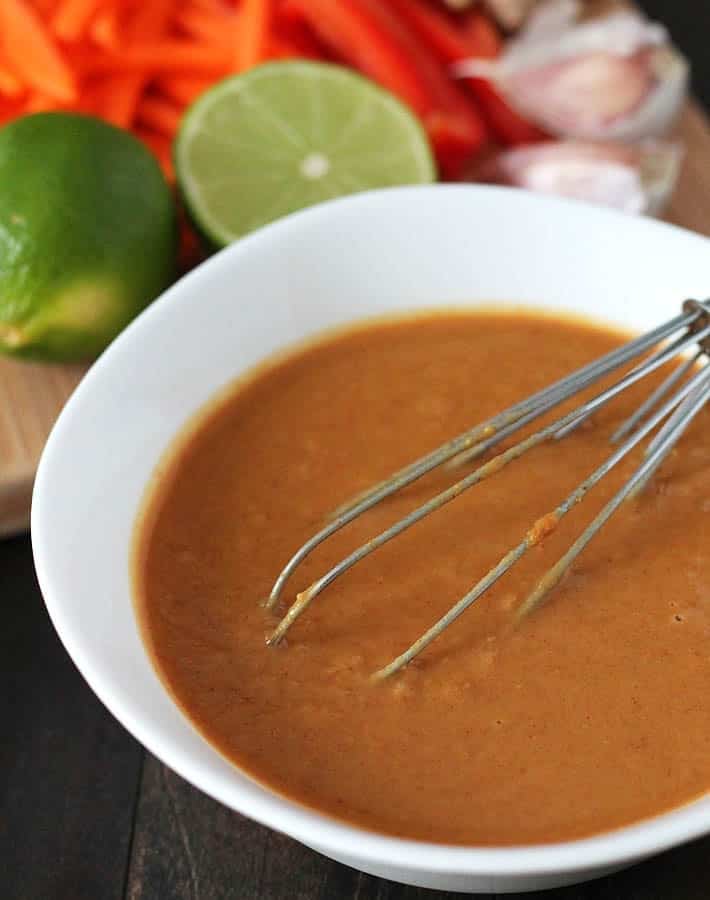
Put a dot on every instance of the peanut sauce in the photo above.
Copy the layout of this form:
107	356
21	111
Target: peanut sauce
590	714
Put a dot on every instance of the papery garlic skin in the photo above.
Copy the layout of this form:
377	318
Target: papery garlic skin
615	78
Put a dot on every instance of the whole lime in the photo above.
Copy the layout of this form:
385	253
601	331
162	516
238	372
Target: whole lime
87	234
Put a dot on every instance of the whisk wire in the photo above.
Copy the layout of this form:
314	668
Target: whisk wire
553	576
655	397
677	411
542	400
305	598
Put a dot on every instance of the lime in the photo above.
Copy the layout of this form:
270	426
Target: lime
286	135
87	234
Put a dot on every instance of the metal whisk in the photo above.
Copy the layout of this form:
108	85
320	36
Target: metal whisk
690	334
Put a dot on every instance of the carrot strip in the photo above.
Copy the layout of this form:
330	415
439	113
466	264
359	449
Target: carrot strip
104	28
72	18
162	56
10	85
182	89
38	102
214	6
92	97
148	23
159	115
252	37
28	48
10	110
206	27
161	147
119	102
44	7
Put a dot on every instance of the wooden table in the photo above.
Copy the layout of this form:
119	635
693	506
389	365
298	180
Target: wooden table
85	812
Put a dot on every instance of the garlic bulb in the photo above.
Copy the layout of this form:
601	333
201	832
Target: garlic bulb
608	79
634	178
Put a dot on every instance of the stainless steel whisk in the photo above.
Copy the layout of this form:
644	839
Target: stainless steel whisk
691	339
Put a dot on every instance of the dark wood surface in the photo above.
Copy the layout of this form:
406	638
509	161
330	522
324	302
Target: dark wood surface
86	813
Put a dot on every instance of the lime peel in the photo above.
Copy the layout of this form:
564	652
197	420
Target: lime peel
88	234
12	336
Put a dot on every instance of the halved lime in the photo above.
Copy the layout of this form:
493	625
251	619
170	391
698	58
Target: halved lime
287	135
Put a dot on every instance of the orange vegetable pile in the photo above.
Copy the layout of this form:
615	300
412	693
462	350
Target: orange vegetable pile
139	63
135	63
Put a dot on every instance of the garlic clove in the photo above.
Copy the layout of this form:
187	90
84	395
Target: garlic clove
614	78
635	179
583	94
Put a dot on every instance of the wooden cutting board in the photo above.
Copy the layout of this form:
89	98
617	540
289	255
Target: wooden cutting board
31	396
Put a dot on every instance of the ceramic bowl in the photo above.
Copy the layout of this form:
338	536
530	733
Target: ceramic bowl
399	249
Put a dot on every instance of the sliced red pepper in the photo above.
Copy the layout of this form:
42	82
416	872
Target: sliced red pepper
454	124
471	35
481	34
293	31
369	36
356	39
451	39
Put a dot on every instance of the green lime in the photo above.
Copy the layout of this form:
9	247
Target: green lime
87	234
287	135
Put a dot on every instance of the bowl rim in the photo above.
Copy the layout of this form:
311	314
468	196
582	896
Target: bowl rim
277	811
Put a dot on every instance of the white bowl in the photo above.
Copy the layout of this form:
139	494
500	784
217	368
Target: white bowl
396	249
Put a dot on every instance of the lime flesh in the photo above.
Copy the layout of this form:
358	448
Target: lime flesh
286	135
87	235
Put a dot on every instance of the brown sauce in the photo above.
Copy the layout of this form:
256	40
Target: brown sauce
592	714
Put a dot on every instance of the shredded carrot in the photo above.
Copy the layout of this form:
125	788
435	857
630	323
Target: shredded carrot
140	63
92	97
253	34
10	85
11	109
44	8
38	102
161	147
182	89
148	22
214	6
209	27
162	56
72	18
27	47
104	29
159	115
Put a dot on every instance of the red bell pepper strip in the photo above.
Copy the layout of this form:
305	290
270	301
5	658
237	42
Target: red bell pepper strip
298	36
451	39
358	40
470	36
482	36
369	36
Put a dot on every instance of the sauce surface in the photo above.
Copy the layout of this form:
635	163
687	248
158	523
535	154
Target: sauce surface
591	714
